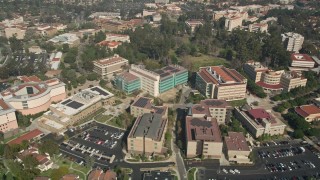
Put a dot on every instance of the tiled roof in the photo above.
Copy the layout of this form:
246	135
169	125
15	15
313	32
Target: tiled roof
269	86
235	141
3	105
307	110
28	136
301	57
228	76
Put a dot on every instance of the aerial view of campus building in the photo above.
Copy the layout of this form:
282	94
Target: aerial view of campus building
34	96
203	137
258	121
74	108
236	148
147	134
142	105
127	82
8	119
109	65
219	82
161	80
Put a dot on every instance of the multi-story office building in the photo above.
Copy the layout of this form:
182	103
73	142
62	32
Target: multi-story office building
302	61
233	22
127	82
34	96
273	81
143	105
236	148
218	109
108	66
19	32
8	119
147	135
292	41
203	137
259	121
75	108
309	112
161	80
219	82
258	27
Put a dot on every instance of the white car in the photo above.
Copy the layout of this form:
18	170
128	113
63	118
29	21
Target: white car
225	171
237	171
231	171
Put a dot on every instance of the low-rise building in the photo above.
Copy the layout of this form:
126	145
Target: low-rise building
110	44
302	61
74	108
67	38
142	105
44	160
34	96
215	108
35	50
236	148
8	119
203	137
108	66
127	82
233	22
219	82
192	24
309	112
18	32
259	121
147	135
54	61
258	27
117	37
29	136
161	80
273	81
98	174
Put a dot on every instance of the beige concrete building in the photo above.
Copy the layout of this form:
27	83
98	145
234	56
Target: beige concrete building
233	22
147	135
8	119
143	105
109	65
273	81
34	96
75	108
302	61
219	82
193	24
218	109
19	32
203	138
292	41
259	121
117	37
258	27
236	148
309	112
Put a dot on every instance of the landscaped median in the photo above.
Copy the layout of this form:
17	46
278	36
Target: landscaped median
192	173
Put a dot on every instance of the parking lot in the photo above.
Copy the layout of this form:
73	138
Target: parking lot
281	161
98	141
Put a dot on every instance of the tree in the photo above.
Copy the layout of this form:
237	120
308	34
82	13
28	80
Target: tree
82	79
92	77
49	146
24	144
30	162
89	161
99	36
298	133
65	48
103	83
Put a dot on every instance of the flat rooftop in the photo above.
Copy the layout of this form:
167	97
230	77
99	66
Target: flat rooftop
202	129
235	141
146	103
128	77
149	125
204	105
169	70
82	100
110	61
301	57
221	75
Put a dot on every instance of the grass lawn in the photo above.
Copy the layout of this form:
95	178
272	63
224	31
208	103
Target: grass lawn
15	136
204	60
100	111
238	103
64	162
102	118
112	122
191	173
